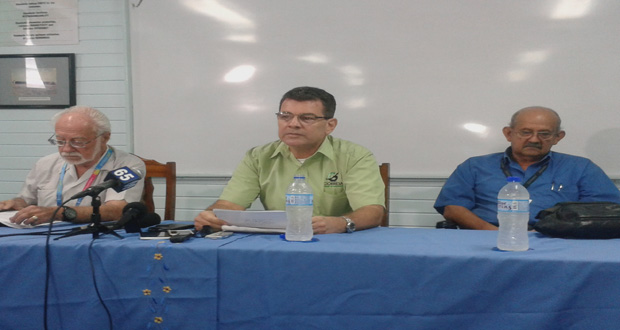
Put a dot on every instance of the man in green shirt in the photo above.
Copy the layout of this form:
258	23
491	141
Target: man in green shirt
345	179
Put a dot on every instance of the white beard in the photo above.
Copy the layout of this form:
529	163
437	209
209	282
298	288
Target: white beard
82	160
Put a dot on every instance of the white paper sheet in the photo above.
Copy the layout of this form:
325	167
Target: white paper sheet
5	220
271	220
238	229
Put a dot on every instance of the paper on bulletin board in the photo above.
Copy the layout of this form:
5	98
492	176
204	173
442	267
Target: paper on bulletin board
36	22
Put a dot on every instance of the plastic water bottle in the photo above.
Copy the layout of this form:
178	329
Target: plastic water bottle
513	214
299	210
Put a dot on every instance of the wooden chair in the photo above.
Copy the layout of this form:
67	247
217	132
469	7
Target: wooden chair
155	169
384	168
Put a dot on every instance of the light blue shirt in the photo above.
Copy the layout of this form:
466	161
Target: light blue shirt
477	181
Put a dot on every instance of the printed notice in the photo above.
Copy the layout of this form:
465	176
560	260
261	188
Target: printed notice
31	22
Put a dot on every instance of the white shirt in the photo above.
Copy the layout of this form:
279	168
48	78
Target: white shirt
42	181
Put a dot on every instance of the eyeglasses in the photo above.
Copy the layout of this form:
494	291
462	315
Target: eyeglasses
306	118
75	143
545	136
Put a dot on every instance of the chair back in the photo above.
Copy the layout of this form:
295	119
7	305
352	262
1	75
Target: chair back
155	169
384	168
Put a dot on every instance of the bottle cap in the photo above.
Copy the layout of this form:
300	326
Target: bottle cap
513	179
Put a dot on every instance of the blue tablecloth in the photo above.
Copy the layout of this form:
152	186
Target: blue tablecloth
383	278
145	284
388	278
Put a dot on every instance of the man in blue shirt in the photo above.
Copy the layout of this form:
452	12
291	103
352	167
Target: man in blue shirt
469	196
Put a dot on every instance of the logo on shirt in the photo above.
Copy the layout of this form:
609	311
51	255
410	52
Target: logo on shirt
333	180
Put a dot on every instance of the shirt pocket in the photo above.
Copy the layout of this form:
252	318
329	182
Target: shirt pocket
333	202
46	197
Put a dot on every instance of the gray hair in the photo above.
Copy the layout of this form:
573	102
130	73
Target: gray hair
101	122
513	119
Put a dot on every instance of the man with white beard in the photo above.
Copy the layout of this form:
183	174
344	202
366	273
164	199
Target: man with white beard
83	160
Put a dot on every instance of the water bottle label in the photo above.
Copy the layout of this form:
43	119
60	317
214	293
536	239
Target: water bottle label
510	205
299	199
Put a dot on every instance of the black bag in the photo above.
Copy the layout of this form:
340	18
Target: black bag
580	220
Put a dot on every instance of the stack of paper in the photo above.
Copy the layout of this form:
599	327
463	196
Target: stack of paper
253	221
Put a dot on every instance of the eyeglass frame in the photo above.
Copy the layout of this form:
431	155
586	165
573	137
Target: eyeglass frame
529	135
71	142
313	120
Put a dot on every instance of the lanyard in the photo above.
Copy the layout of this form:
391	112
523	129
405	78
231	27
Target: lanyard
504	162
90	181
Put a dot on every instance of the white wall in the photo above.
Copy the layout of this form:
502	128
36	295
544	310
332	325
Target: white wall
407	76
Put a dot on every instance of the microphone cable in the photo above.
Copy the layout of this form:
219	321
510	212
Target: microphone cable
48	233
94	276
39	233
47	264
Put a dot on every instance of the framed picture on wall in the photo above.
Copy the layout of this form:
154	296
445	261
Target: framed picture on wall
37	81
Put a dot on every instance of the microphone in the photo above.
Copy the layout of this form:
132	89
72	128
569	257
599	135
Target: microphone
134	218
149	219
120	180
131	212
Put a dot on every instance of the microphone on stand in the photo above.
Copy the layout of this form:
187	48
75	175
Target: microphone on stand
135	216
150	219
120	179
131	213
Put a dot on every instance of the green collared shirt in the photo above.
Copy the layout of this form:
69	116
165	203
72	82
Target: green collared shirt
344	176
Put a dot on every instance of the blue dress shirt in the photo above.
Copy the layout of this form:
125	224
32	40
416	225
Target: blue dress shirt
476	182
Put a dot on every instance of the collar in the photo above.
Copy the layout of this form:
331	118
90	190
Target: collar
326	149
507	157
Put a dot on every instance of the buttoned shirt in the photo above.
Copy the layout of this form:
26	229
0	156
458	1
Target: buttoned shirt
343	176
476	182
42	182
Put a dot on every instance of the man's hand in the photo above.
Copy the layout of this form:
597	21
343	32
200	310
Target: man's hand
365	217
466	218
328	225
208	218
13	204
34	215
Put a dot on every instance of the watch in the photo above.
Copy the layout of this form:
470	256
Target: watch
69	214
350	224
